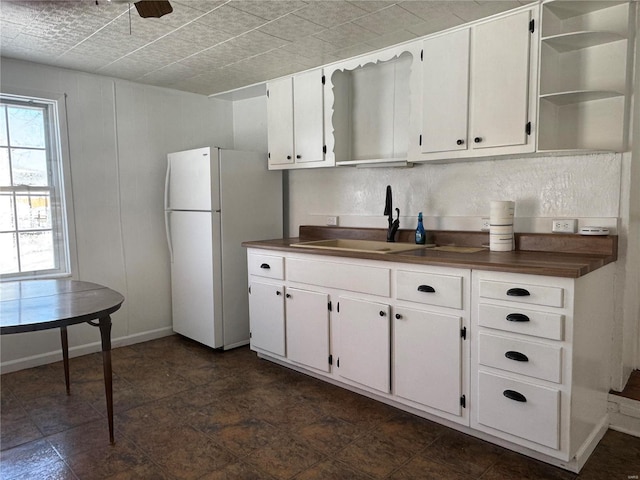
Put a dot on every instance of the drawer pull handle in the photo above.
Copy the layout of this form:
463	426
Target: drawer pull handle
265	266
517	317
288	295
518	292
513	395
382	313
426	289
278	292
517	356
398	316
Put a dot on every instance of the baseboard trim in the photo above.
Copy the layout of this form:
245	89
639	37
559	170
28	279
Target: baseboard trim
77	351
624	415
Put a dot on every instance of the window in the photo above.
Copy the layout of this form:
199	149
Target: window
33	236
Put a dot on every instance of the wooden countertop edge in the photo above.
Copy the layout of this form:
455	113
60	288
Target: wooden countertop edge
537	262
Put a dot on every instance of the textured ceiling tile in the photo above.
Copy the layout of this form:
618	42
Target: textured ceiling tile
346	35
232	20
388	20
202	5
310	46
23	13
428	27
399	36
268	10
372	5
87	63
256	42
291	27
330	13
167	75
281	56
182	13
353	51
40	44
486	8
200	34
9	30
126	68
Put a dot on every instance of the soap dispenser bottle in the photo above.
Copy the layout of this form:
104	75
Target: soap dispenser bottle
420	235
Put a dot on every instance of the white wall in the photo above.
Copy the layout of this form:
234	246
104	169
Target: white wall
119	134
595	186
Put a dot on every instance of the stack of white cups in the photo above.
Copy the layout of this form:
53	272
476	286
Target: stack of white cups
501	226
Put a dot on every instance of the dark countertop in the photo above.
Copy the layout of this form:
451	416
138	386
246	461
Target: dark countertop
558	255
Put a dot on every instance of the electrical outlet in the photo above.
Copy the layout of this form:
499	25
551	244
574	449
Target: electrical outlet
485	224
564	225
332	220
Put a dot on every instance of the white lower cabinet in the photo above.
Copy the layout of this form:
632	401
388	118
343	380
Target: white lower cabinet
364	330
521	360
308	328
427	358
540	361
266	317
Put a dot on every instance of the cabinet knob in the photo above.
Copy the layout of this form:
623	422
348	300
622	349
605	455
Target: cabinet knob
426	289
477	139
513	395
265	266
517	317
288	157
460	141
517	356
298	156
518	292
398	316
382	314
288	295
278	292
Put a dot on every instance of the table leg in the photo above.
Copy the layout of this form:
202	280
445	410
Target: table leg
65	356
105	337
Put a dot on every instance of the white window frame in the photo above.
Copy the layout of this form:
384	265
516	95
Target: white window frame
57	161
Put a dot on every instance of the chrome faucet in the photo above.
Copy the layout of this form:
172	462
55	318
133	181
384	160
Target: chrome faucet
388	209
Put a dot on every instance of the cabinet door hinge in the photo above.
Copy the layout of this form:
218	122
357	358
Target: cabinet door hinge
532	26
463	333
324	149
463	401
330	359
527	128
267	93
249	334
269	154
338	307
249	289
338	362
329	305
324	80
422	55
420	140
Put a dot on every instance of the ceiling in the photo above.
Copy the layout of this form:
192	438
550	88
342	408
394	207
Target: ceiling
213	46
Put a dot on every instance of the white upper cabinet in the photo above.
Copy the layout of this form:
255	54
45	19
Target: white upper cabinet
476	89
295	116
584	75
369	107
445	89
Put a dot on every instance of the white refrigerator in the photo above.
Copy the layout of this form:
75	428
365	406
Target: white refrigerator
214	200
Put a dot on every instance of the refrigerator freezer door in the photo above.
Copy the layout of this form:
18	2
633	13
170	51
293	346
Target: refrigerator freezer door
194	279
190	176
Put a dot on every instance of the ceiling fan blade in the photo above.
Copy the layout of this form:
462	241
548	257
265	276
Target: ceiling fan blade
150	8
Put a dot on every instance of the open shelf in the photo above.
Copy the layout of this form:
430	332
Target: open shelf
573	8
578	96
566	42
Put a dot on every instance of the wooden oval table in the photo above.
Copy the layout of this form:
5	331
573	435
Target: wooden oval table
32	305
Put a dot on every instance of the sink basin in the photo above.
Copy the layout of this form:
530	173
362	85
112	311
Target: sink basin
351	245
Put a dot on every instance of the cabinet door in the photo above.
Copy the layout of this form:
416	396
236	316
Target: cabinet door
280	121
445	92
364	333
266	314
500	52
308	117
308	328
428	358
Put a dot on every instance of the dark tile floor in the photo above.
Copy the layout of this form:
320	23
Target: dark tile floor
183	412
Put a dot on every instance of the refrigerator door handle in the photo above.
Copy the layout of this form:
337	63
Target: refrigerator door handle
166	185
168	230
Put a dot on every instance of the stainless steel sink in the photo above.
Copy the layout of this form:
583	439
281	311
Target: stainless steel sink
366	246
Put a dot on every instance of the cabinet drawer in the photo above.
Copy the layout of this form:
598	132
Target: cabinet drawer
522	293
533	413
432	289
351	277
270	266
520	356
520	320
